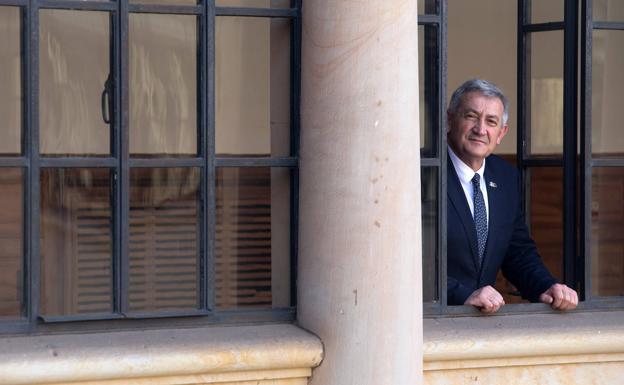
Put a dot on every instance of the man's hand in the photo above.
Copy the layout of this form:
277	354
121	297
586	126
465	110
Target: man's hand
487	299
559	297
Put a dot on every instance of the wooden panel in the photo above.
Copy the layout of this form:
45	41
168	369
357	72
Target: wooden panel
607	231
546	224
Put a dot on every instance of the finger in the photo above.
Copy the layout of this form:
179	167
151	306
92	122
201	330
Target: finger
545	298
494	304
572	299
557	298
486	305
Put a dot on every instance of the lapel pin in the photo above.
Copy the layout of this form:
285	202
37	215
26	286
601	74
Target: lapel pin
493	185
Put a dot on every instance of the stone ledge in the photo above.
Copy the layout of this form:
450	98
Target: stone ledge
556	338
173	356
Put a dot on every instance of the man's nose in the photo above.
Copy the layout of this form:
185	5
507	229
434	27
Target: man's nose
479	127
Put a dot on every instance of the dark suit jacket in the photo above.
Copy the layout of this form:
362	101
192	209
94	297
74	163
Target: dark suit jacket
509	246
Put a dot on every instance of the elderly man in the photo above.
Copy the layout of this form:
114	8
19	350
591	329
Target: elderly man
486	228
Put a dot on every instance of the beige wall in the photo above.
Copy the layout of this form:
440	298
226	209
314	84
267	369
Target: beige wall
607	81
482	44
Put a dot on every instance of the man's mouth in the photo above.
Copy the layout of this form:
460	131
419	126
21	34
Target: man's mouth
478	140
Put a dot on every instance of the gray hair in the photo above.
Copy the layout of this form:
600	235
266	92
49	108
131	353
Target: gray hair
483	87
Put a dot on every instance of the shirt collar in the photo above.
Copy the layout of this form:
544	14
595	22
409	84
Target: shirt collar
464	172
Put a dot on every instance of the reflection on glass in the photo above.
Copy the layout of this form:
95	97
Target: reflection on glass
254	3
545	11
546	94
164	239
10	78
252	86
427	7
76	241
163	85
430	257
74	53
253	237
428	89
11	240
607	83
608	10
607	231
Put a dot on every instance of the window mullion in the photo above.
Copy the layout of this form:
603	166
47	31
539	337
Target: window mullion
570	274
123	175
441	118
209	171
32	150
586	154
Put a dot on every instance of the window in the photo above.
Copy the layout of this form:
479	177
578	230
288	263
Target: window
148	166
564	142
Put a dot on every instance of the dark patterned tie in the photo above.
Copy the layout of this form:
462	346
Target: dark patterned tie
480	216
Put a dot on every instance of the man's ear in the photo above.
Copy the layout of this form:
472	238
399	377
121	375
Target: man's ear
502	134
449	119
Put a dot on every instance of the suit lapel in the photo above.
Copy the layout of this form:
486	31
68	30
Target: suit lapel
458	199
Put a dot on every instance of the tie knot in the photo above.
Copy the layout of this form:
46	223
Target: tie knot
476	179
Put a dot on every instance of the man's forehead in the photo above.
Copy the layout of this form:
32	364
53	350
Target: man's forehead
476	100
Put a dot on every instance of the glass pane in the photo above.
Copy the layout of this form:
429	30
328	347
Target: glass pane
253	237
607	83
74	95
11	80
545	11
546	93
164	238
428	89
163	85
252	86
608	10
76	241
11	242
607	231
254	3
427	7
430	252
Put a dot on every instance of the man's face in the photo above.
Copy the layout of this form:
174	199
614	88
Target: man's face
476	128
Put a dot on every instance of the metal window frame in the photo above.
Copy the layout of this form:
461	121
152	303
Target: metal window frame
588	160
436	16
567	161
120	163
576	220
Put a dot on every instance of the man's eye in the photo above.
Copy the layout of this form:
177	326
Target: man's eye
492	123
471	116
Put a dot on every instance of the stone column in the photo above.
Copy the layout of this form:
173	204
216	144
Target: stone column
359	284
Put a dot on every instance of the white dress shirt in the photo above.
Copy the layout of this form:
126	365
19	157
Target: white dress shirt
465	174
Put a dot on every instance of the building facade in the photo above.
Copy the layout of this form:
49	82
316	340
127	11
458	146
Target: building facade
254	191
